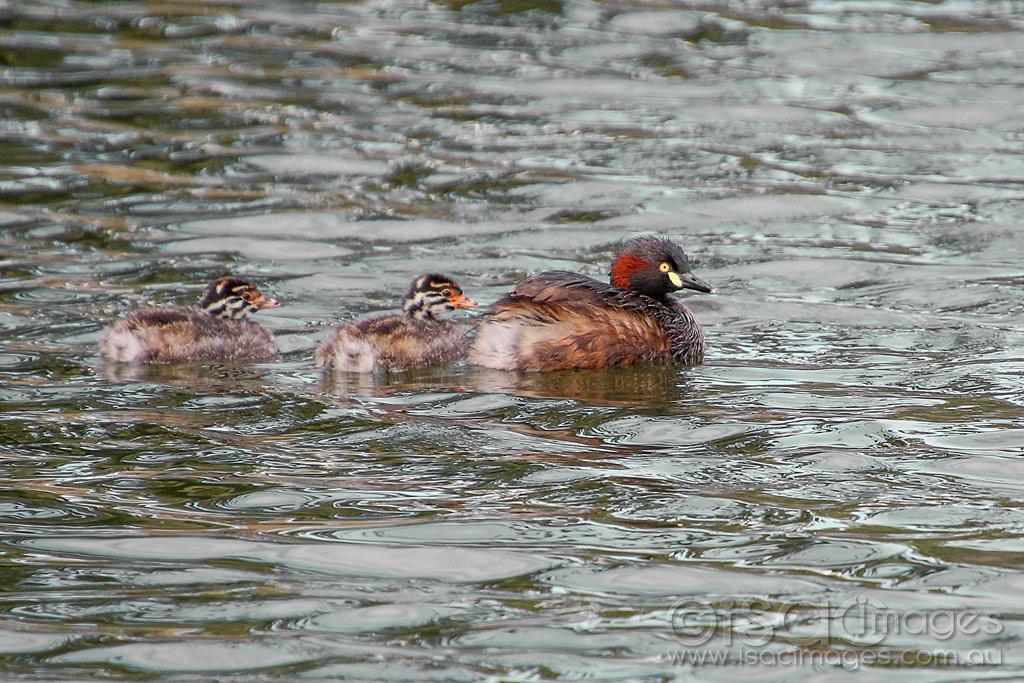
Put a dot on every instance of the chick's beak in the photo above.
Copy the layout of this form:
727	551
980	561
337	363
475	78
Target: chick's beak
263	301
462	301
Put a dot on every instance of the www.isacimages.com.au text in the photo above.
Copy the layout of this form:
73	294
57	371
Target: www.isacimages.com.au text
834	658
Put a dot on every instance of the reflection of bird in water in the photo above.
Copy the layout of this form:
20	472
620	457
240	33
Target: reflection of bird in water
415	338
218	329
637	385
210	378
561	320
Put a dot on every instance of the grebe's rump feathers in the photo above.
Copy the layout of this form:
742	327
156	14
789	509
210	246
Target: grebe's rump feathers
558	336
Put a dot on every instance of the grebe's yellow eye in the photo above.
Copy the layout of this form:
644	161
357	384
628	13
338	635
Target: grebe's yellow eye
665	267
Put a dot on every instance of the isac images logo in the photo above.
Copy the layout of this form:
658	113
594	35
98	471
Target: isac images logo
857	632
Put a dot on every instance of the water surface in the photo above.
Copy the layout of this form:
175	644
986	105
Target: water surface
834	493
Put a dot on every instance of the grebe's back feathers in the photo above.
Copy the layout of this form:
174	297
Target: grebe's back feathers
562	285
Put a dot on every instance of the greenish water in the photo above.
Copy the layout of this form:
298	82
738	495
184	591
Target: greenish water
836	493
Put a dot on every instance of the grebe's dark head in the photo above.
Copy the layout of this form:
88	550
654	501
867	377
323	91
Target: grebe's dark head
654	266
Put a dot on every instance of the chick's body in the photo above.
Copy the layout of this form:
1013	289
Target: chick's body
218	330
415	338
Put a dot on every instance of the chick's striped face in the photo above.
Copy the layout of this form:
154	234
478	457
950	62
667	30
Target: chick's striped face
234	299
432	295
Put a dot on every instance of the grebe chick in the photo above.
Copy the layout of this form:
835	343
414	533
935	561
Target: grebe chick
561	320
412	339
218	329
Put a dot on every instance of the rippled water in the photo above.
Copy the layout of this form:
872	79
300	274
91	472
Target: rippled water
834	493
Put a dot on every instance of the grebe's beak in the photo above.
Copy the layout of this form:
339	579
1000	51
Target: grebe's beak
462	301
690	281
263	301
